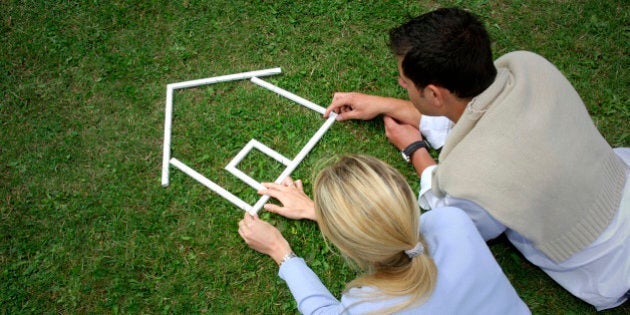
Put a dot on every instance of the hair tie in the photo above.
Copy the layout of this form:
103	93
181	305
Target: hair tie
416	251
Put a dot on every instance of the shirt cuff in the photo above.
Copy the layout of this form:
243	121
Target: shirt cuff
425	196
435	129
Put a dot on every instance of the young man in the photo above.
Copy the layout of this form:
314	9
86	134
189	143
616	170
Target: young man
522	155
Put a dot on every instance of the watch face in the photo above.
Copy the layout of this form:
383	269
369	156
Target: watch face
405	157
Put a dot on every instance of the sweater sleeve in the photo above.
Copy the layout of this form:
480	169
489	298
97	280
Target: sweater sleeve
311	295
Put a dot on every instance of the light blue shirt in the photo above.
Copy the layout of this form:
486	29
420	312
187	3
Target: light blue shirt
469	279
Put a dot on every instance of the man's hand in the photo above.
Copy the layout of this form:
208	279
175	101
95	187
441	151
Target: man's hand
399	134
356	106
295	203
365	107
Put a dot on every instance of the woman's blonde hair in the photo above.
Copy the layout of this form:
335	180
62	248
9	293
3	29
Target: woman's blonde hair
368	211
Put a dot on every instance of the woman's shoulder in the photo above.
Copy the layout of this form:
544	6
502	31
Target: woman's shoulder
445	218
453	237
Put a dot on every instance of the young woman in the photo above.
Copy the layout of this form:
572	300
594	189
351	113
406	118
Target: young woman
411	264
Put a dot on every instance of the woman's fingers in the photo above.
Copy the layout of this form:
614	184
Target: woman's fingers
287	182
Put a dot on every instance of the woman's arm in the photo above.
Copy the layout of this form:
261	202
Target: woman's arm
263	237
311	295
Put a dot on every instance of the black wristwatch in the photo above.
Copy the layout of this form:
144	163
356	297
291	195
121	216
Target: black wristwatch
410	149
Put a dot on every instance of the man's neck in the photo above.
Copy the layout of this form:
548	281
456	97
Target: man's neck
456	108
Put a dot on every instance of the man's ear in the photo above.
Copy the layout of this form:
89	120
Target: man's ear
434	95
444	102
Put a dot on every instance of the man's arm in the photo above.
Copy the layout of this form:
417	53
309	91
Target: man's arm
366	107
402	135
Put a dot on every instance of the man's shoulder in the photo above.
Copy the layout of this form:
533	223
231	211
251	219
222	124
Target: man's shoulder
525	58
521	54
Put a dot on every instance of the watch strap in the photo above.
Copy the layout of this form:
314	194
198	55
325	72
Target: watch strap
413	147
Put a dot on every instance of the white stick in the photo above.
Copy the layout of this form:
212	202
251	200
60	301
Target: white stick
168	112
271	153
297	160
210	184
245	178
291	164
168	123
253	143
289	95
225	78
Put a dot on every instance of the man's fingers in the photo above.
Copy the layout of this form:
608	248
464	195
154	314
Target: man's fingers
332	108
348	115
388	119
329	110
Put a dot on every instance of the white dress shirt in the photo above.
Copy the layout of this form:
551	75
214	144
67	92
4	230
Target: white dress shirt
599	274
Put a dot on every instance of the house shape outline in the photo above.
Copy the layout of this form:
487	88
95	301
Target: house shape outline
290	164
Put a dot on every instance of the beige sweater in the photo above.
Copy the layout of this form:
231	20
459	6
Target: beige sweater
527	151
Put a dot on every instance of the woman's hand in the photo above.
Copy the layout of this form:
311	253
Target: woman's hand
295	203
263	237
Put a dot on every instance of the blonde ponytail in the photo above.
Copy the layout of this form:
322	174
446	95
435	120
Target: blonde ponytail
366	208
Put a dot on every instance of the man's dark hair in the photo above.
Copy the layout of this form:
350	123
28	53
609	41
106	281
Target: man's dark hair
448	47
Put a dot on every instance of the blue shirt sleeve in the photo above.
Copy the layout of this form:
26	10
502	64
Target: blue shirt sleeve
311	295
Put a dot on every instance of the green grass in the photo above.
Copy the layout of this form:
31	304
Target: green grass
86	227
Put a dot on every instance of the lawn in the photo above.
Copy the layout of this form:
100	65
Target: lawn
85	225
